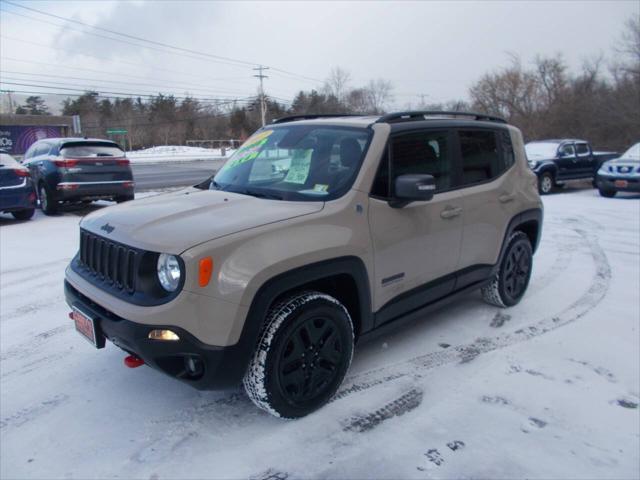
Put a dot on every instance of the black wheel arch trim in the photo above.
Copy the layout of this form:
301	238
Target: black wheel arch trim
534	215
545	167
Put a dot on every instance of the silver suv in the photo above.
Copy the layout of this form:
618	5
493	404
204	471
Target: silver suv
316	232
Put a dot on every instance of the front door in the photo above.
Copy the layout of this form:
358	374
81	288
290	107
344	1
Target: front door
567	162
420	243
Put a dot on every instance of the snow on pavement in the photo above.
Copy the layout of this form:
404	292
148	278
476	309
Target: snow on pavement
177	154
547	389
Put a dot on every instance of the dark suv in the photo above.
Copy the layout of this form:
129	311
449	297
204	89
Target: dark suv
78	169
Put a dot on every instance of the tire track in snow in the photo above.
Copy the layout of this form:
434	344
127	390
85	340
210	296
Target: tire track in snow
235	405
420	365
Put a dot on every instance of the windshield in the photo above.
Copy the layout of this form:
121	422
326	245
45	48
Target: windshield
632	154
296	162
541	150
80	151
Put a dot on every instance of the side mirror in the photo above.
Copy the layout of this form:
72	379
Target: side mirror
413	188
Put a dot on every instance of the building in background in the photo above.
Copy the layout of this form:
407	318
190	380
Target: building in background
18	132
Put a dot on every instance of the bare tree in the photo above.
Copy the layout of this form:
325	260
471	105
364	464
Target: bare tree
378	94
337	83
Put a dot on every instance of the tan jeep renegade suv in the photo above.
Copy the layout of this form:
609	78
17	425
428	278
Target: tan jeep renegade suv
318	231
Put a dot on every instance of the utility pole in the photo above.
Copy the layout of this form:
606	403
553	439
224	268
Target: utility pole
263	102
423	96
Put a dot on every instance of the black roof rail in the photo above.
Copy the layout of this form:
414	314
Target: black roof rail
293	118
421	114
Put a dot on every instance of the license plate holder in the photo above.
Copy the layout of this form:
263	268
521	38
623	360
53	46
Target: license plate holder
87	326
621	183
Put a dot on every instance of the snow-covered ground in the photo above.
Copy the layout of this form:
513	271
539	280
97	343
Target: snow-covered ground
547	389
176	154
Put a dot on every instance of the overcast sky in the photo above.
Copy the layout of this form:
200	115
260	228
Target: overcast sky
433	48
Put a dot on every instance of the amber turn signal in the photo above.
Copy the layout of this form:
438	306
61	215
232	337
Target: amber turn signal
206	269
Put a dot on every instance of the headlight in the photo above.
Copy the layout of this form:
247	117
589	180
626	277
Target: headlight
169	272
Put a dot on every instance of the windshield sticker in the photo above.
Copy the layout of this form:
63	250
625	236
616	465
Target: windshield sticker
319	187
249	150
299	168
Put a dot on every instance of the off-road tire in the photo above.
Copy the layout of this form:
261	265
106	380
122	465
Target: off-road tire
546	183
48	204
124	198
605	192
272	383
23	214
501	291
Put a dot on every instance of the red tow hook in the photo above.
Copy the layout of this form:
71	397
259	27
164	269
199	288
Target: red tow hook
132	361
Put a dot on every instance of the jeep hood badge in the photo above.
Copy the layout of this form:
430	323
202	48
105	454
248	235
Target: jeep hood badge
107	228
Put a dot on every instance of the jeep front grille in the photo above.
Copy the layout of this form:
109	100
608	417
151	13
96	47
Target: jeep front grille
110	262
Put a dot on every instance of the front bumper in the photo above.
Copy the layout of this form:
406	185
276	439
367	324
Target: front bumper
608	182
217	367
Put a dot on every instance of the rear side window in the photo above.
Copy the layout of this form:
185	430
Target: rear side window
80	151
480	156
42	149
508	157
582	149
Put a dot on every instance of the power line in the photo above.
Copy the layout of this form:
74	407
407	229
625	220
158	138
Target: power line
103	81
119	39
77	52
128	94
153	42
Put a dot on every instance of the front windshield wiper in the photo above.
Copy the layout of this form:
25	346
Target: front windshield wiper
258	194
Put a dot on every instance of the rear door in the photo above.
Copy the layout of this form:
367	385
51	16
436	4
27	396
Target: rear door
420	243
489	199
585	161
93	162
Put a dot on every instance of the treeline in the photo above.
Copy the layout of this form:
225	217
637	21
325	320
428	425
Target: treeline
544	99
168	120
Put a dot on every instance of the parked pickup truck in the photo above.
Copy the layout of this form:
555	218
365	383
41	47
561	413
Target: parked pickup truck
555	161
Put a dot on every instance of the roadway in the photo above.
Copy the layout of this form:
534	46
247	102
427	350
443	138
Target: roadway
166	175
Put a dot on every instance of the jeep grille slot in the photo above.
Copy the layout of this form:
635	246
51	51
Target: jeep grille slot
108	261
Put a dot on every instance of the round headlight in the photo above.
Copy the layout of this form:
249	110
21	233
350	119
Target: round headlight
169	272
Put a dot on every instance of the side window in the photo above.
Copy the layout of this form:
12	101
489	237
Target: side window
582	149
422	153
508	157
30	152
480	156
567	150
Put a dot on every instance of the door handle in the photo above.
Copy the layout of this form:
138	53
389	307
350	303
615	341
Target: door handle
451	212
507	197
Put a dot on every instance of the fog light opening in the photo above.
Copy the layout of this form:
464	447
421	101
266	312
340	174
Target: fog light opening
193	366
164	335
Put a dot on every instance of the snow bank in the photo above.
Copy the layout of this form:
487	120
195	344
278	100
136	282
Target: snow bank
176	154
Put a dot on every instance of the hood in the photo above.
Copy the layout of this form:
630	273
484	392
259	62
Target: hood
624	161
175	222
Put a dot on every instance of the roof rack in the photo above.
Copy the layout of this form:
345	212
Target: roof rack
421	114
293	118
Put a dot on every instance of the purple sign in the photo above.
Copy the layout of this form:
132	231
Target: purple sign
17	139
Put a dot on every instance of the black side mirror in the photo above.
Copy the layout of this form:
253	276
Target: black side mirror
413	188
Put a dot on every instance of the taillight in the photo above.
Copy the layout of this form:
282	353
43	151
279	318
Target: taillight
122	163
129	184
21	172
65	163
